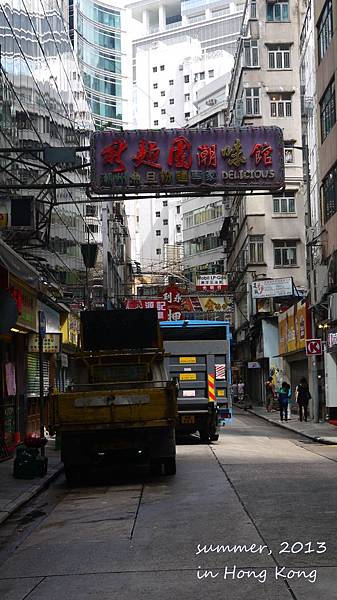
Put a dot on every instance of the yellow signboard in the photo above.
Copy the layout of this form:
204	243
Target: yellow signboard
221	392
187	376
187	360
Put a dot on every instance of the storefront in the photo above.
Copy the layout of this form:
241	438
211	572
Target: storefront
330	362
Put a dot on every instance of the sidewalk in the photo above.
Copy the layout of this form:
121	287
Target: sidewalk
322	432
16	492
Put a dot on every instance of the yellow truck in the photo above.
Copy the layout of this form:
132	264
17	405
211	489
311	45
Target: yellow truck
120	404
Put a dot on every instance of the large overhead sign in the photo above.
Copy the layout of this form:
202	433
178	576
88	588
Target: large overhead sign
212	283
272	288
190	160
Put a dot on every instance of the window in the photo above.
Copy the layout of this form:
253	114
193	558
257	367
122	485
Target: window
155	86
93	228
162	93
211	73
285	253
158	251
288	153
196	77
171	100
329	193
155	122
155	104
187	114
165	221
165	240
164	202
251	53
280	105
171	119
256	249
158	213
178	228
202	75
187	97
328	110
252	101
178	210
186	78
162	67
163	111
279	56
253	11
324	29
91	210
278	11
158	233
171	82
154	69
284	203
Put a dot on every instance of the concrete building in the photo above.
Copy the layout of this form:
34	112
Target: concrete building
265	234
325	15
180	48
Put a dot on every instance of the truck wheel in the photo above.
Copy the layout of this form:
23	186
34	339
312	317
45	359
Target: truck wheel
156	467
72	475
170	466
214	437
204	436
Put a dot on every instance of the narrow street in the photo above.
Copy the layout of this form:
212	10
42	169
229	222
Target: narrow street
138	537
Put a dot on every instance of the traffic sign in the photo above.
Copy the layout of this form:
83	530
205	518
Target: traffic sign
313	347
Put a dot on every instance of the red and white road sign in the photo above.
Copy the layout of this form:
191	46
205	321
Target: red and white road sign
313	347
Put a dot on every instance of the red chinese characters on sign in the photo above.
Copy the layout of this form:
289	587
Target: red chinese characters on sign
180	153
207	155
173	298
148	154
17	295
262	152
112	155
158	304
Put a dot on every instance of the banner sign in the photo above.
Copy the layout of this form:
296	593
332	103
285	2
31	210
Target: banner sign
272	288
212	283
158	304
171	160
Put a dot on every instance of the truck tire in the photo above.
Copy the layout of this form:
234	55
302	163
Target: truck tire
170	466
214	437
72	475
204	436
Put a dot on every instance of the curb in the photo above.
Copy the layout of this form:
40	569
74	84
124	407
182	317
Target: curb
306	435
29	494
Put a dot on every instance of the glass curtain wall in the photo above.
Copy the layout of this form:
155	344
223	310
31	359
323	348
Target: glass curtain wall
42	102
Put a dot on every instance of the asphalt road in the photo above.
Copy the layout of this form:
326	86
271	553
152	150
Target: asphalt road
251	517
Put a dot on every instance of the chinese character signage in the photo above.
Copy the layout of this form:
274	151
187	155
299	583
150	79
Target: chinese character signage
272	288
212	283
158	304
171	160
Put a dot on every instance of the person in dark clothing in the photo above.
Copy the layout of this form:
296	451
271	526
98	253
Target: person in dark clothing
302	398
283	398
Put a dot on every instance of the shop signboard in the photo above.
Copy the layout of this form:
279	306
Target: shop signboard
272	288
314	347
157	303
70	329
283	341
291	330
188	160
212	283
302	325
332	341
26	302
51	343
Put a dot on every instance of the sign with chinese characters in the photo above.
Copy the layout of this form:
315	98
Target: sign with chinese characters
272	288
212	283
332	340
51	343
171	160
158	304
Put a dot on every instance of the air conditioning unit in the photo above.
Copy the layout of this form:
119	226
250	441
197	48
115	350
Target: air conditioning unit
332	312
211	101
181	67
239	110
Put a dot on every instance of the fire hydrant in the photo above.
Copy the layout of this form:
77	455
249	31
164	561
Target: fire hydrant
28	462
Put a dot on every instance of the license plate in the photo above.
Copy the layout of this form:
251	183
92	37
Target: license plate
187	419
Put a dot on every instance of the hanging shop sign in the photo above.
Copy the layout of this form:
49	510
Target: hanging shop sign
157	303
294	328
171	160
70	329
51	343
212	283
332	341
26	303
272	288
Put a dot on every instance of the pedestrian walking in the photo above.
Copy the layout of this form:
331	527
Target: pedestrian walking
235	392
241	390
302	398
270	394
283	398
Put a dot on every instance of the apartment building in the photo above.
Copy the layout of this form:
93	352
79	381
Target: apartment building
180	48
265	234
